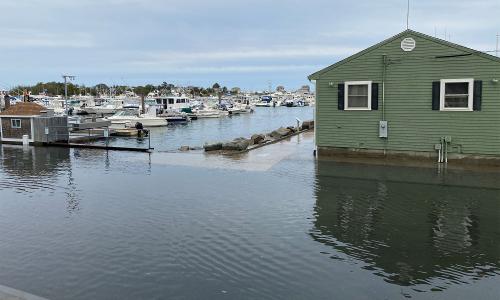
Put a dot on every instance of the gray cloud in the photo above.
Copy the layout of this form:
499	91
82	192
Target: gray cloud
209	40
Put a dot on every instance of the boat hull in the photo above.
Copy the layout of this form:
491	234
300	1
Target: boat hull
100	110
146	122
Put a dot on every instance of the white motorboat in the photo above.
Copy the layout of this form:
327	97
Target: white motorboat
240	109
266	101
294	103
128	118
104	106
176	118
209	113
263	104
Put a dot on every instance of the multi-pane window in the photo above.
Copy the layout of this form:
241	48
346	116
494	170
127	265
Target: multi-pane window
457	94
358	95
15	123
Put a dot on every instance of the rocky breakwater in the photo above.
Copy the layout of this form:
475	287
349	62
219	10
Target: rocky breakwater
257	140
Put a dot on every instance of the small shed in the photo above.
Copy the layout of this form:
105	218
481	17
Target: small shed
33	120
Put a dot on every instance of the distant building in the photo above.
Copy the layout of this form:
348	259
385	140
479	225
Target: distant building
280	88
439	98
304	90
33	120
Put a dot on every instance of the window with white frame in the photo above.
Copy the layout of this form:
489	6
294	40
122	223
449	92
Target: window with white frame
358	95
457	94
15	123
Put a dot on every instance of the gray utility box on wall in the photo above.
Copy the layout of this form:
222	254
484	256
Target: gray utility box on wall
382	129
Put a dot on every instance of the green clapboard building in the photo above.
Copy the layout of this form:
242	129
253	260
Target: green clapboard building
411	94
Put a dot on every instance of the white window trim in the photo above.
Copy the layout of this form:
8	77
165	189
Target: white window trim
346	95
470	81
16	127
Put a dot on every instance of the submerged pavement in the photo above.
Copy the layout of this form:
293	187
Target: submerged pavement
261	159
7	293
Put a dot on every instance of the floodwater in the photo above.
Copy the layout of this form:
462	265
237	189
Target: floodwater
271	224
199	132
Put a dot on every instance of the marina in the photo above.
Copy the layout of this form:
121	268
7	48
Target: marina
132	238
256	150
133	116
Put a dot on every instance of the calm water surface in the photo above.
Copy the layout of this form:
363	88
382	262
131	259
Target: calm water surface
84	224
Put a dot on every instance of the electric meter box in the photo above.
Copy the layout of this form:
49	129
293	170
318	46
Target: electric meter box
383	129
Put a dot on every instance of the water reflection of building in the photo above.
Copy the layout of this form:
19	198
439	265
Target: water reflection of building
34	169
408	231
33	161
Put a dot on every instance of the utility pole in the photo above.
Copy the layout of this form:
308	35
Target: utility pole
66	78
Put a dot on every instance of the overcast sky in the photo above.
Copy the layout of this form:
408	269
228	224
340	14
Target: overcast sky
234	42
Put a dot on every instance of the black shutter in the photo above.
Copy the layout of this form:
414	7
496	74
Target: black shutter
341	93
374	96
436	95
478	94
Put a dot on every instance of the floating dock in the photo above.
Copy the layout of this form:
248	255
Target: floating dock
100	147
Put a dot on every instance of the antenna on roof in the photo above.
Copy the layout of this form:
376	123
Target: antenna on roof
408	16
496	49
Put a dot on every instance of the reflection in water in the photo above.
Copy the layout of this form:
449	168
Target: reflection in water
33	169
30	170
73	204
411	233
32	161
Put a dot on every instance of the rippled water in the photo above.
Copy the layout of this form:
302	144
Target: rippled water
271	224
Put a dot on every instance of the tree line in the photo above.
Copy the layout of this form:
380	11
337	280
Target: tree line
57	88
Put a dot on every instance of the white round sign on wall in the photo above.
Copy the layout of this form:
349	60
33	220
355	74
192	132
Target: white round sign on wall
408	44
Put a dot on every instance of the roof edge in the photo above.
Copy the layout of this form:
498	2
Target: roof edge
316	75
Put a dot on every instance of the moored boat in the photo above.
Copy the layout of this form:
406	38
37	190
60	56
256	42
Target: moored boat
128	118
209	113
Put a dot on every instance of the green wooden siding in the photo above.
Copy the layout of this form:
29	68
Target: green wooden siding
413	125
